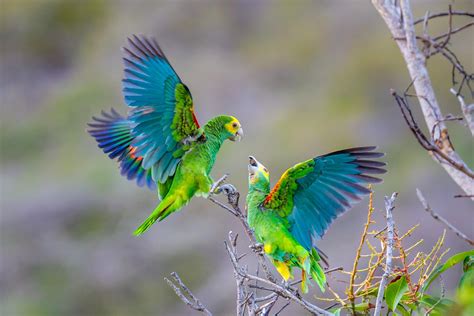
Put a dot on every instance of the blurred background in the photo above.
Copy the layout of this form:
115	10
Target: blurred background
303	77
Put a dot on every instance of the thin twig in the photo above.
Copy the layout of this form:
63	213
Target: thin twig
389	206
234	209
426	143
182	291
437	15
467	111
399	20
437	217
282	308
359	249
464	196
280	290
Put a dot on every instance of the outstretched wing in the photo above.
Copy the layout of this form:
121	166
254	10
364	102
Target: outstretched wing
113	134
313	193
163	122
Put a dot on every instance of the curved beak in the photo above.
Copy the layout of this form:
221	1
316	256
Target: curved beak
238	135
252	161
253	165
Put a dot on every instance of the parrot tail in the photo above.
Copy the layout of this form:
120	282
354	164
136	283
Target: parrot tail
317	273
167	206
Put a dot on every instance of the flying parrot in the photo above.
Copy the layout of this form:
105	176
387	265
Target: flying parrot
160	143
295	214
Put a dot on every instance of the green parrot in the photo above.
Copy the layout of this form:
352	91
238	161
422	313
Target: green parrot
465	292
160	142
289	219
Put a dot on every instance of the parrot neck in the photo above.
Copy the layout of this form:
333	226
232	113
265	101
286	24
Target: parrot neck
255	198
213	143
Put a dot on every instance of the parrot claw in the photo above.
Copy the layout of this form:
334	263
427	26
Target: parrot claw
216	186
227	189
257	248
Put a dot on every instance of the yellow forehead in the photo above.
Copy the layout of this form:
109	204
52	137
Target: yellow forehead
233	126
262	171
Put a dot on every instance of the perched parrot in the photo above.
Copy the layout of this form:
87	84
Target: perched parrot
295	214
160	142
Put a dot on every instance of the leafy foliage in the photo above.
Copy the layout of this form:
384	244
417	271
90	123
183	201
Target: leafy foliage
411	278
395	292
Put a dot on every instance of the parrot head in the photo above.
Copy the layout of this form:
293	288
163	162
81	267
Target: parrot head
259	177
468	263
234	129
224	127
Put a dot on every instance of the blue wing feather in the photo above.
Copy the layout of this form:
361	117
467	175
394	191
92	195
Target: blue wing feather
149	87
334	185
113	134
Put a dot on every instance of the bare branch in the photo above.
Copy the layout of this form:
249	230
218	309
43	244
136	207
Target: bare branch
464	196
441	14
437	217
427	144
242	274
389	206
467	111
239	278
234	209
281	309
183	292
358	252
398	17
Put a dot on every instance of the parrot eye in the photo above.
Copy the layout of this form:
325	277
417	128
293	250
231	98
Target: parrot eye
234	125
265	169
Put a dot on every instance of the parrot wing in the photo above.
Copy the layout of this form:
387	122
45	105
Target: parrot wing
113	135
313	193
164	126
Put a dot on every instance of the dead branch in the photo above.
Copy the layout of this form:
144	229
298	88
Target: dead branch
441	14
467	111
285	292
248	300
398	17
234	209
359	249
185	294
389	206
425	142
439	218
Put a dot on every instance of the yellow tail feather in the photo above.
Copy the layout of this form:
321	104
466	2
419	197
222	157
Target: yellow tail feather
304	286
283	269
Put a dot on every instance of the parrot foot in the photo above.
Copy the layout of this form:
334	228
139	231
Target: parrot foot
257	248
227	189
215	187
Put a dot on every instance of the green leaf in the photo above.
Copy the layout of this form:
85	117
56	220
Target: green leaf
395	291
452	261
403	310
437	306
361	307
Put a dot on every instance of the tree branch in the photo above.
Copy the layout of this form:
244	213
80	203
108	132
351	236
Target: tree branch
441	14
467	111
234	209
399	20
182	291
437	217
389	206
